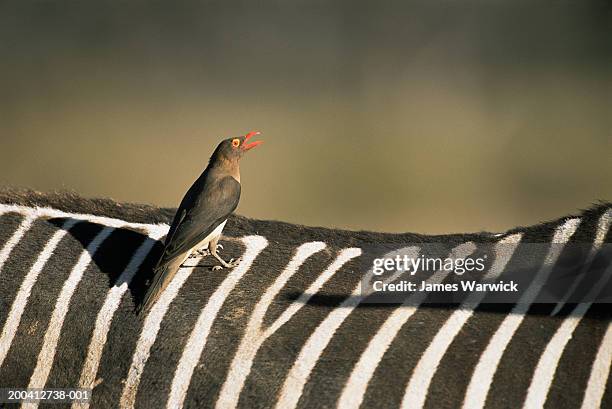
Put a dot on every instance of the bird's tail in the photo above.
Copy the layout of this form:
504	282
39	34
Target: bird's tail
163	275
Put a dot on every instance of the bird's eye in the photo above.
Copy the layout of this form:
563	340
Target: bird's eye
236	142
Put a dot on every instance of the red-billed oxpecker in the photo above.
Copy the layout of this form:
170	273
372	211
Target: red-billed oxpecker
200	218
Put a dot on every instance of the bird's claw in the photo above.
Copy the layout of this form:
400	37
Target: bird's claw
228	264
200	253
234	263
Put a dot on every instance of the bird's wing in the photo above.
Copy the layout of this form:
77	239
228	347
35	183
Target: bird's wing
178	219
211	208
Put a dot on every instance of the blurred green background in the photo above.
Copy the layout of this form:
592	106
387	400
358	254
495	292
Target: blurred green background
426	116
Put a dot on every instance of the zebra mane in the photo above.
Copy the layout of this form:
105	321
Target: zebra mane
287	327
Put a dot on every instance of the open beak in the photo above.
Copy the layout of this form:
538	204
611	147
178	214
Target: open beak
246	145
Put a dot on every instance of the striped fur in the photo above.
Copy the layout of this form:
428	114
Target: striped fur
286	328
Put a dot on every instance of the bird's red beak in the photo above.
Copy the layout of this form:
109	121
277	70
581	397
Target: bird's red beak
246	145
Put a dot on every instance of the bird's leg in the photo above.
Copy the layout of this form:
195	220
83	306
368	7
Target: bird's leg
203	252
227	264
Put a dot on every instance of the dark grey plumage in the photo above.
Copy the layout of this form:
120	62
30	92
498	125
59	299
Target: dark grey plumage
202	214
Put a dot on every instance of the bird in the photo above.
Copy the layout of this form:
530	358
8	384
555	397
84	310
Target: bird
202	215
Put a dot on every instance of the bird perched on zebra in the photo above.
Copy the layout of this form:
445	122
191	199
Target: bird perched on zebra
202	214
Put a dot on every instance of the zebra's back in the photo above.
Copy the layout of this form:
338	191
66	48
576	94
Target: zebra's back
286	328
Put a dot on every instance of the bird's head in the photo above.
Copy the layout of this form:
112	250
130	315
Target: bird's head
232	149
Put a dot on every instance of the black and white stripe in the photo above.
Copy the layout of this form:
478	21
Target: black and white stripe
287	327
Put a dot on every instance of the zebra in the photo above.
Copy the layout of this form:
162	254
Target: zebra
286	328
